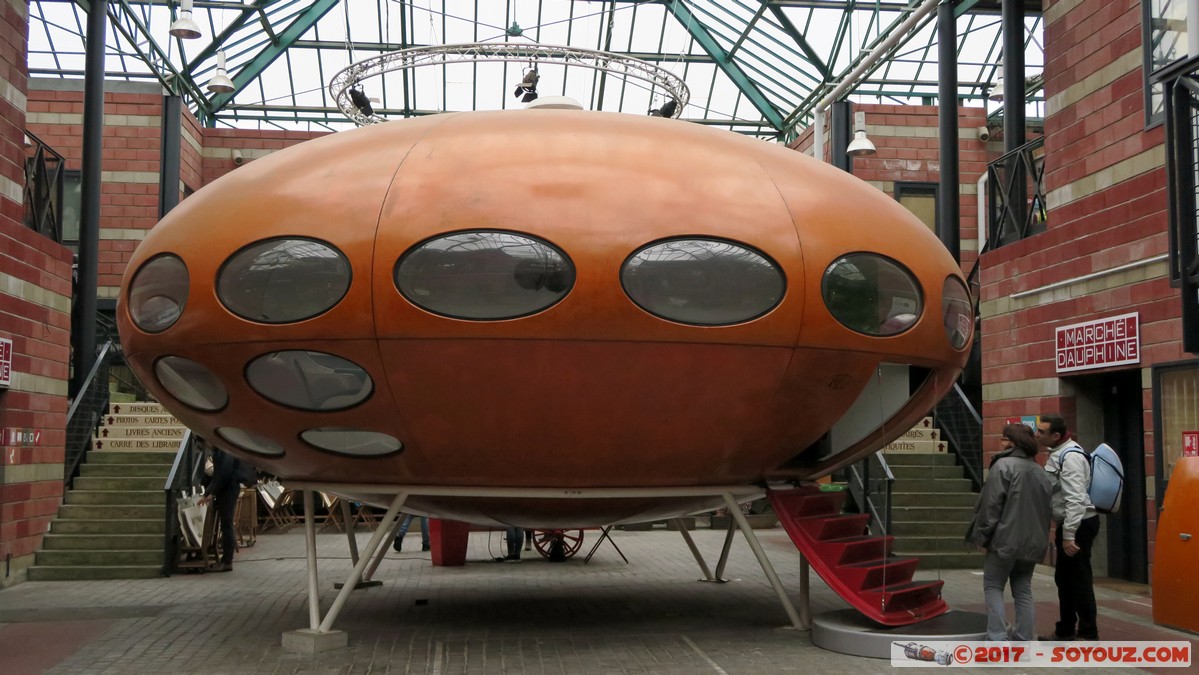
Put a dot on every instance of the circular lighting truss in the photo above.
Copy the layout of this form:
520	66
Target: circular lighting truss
628	67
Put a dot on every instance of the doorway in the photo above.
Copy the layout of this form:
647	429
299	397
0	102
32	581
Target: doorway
1110	410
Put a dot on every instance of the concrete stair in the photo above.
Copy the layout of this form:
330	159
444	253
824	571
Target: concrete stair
111	523
932	501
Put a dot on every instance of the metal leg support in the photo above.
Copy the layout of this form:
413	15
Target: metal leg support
703	565
314	594
347	517
377	538
382	553
752	540
724	552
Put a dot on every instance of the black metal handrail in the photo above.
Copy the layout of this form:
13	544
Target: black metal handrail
183	478
961	427
86	411
43	188
1016	194
873	494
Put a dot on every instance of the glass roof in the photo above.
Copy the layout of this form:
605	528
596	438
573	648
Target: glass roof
754	66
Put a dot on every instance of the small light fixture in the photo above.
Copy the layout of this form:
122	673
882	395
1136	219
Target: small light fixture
526	91
220	83
996	93
860	145
361	101
668	109
184	26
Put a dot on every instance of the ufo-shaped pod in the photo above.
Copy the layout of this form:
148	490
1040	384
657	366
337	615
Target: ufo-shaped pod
544	299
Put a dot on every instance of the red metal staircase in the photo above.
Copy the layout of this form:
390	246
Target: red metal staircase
857	566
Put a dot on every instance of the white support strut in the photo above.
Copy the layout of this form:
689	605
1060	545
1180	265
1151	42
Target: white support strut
804	623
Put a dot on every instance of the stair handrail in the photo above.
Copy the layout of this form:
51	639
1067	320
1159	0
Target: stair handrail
85	413
863	493
951	414
183	477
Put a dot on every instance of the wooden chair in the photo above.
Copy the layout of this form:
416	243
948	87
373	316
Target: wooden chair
280	506
245	518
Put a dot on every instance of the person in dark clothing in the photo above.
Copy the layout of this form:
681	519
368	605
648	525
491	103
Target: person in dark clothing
1077	526
223	488
1011	522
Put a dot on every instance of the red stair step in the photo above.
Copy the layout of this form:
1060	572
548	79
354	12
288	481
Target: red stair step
914	598
876	574
861	549
836	527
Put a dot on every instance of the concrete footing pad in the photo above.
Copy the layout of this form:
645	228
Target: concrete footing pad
308	641
849	632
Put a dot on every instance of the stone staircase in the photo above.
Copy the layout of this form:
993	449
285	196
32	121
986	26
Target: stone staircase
110	525
932	501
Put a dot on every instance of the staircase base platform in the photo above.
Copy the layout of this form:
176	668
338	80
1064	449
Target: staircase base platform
848	631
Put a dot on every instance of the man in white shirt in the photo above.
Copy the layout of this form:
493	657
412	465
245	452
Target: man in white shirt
1077	521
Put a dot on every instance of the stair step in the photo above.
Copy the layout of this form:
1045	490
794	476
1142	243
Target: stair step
836	527
923	472
137	408
100	558
821	504
875	574
116	497
938	459
55	573
963	559
120	483
909	596
944	514
860	549
54	541
111	512
937	543
124	470
154	526
908	530
131	457
926	499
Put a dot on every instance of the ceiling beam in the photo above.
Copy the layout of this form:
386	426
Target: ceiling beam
271	51
730	68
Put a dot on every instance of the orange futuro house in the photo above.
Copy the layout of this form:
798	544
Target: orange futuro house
530	299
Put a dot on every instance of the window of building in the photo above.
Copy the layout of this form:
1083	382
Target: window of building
921	200
1175	412
72	207
1164	40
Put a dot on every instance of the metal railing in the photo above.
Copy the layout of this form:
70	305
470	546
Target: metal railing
86	411
43	188
1016	194
961	427
183	479
871	491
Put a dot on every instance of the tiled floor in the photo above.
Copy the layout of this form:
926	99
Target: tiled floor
649	616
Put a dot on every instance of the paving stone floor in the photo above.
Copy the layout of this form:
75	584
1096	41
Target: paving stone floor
649	616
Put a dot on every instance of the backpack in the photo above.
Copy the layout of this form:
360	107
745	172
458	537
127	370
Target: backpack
1106	488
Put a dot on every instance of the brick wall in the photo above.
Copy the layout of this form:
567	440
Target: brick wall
908	150
132	148
35	299
1105	191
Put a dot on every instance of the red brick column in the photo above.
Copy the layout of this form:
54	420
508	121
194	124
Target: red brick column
35	303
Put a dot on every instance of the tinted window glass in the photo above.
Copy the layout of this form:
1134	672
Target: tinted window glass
283	280
158	293
191	383
871	294
248	440
957	312
484	275
353	442
705	282
309	380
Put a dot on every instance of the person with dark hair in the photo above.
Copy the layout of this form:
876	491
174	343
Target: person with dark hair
1077	526
1011	522
224	488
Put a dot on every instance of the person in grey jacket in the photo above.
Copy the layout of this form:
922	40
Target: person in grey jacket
1011	521
1077	520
